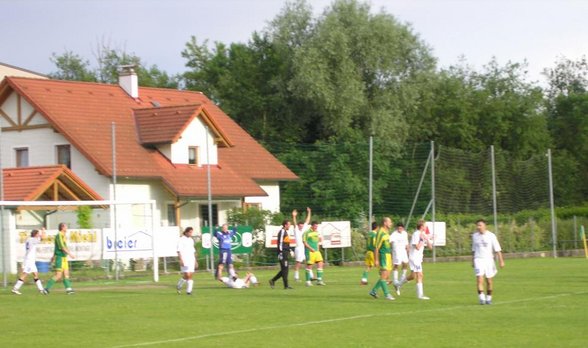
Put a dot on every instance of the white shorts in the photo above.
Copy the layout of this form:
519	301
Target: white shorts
188	266
416	266
29	267
299	253
485	268
399	258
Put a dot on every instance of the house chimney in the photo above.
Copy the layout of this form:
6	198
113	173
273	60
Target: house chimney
127	80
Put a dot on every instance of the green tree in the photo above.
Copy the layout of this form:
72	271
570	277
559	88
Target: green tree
71	66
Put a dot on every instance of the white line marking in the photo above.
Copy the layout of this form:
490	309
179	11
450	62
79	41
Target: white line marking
364	316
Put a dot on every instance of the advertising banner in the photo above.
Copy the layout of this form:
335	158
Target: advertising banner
84	244
336	234
241	242
440	235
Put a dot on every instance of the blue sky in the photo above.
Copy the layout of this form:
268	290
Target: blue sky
538	31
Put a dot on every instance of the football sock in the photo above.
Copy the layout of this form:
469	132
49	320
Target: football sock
384	287
377	286
420	292
403	278
395	276
481	296
488	298
18	284
190	285
67	283
296	275
308	275
181	283
311	274
364	275
50	283
39	284
319	274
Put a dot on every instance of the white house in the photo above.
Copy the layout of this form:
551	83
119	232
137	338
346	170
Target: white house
162	136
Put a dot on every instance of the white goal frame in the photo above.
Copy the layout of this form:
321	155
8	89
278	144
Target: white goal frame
110	203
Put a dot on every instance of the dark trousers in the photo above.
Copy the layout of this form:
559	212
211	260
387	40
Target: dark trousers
283	273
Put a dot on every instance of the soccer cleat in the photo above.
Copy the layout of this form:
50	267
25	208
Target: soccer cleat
188	293
288	288
178	290
272	283
482	302
320	282
70	292
373	294
390	297
424	298
489	302
364	281
44	292
308	283
397	288
16	292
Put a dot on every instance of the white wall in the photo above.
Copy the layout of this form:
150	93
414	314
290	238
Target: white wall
272	201
194	135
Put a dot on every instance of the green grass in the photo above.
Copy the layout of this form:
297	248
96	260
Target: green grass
537	303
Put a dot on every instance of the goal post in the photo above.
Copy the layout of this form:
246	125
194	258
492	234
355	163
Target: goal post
132	236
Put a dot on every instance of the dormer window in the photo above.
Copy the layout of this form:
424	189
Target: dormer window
193	155
22	157
64	155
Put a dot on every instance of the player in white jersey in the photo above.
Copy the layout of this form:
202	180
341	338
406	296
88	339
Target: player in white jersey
484	246
187	259
418	242
299	229
399	241
28	265
237	283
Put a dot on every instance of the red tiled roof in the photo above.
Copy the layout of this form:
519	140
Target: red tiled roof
34	183
84	112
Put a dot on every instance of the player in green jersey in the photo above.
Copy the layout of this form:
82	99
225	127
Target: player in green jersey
383	258
370	259
61	264
312	239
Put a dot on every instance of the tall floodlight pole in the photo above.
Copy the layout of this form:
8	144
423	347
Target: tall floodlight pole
370	181
4	244
494	203
116	271
552	205
209	187
433	196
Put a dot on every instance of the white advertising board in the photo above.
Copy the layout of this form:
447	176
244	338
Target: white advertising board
336	234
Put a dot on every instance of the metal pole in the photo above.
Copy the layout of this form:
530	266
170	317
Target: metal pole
416	196
552	206
370	181
4	244
432	202
155	258
494	205
209	187
116	270
575	233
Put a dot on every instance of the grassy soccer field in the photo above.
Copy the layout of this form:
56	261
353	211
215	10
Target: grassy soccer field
537	303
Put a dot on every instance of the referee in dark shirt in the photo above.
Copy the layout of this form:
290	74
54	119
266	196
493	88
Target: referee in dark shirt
283	255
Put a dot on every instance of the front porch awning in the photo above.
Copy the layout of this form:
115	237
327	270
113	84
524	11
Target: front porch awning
47	183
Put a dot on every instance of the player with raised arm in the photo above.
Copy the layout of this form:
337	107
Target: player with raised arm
370	259
418	242
28	265
187	259
299	229
312	239
225	238
400	248
484	246
383	259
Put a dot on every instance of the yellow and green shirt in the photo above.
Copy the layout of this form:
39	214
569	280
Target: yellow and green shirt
312	238
60	245
383	241
371	240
